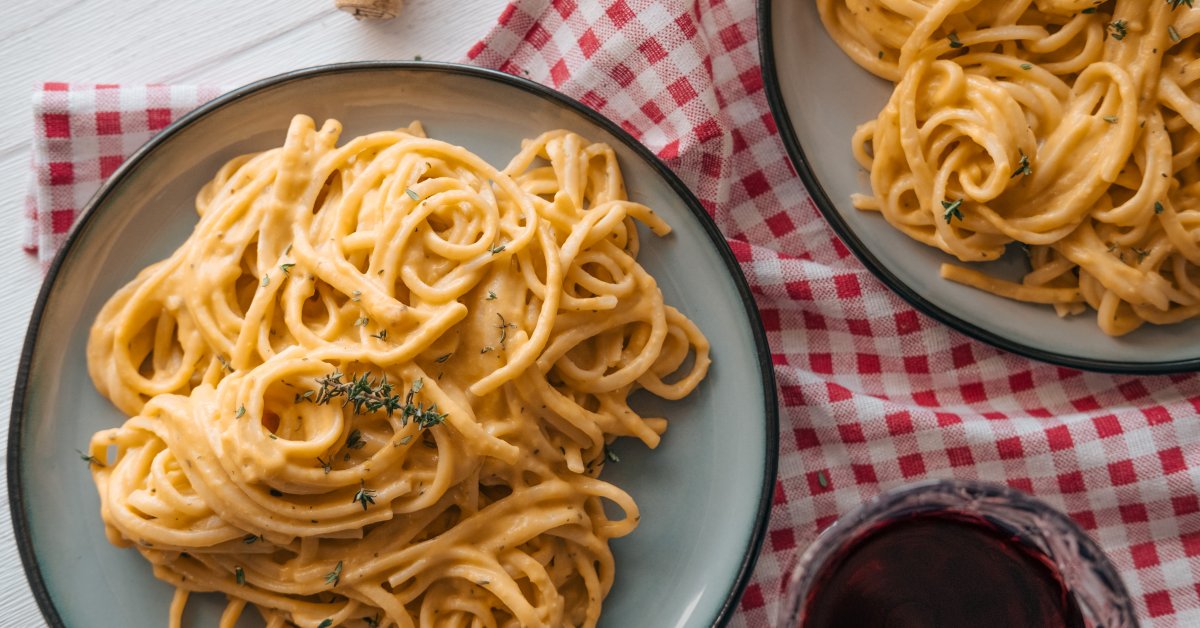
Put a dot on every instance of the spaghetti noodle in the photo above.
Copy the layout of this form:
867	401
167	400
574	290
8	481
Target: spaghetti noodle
1070	127
377	384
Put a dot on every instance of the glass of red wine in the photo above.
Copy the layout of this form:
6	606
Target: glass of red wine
950	553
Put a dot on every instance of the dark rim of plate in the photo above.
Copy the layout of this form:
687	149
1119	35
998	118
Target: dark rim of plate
804	168
16	498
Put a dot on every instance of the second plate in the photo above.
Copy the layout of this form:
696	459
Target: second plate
818	96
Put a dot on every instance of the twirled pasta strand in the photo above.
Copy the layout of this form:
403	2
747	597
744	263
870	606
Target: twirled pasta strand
1071	127
510	299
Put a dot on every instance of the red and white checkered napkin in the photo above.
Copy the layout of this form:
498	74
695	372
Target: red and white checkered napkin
81	134
873	393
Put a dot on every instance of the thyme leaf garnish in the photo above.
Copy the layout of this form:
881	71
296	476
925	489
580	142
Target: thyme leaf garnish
364	495
1119	29
335	576
1022	167
361	392
503	327
424	417
366	394
90	459
952	210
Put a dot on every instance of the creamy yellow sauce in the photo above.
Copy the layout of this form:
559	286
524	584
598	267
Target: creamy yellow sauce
1071	126
505	308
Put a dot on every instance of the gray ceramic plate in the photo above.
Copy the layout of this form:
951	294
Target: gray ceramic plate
818	96
705	493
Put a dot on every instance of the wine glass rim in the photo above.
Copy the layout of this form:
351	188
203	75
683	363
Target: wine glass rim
950	496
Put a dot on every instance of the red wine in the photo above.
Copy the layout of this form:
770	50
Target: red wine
934	571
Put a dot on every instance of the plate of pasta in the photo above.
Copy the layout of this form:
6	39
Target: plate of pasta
392	344
1021	171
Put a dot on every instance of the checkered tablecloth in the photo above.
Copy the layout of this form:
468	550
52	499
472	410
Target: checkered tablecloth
873	393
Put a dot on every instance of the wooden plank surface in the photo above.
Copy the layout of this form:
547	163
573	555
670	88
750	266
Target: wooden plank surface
216	42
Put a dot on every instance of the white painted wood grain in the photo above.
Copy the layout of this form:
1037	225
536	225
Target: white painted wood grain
219	42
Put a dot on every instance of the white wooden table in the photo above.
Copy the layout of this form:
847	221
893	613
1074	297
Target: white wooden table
221	42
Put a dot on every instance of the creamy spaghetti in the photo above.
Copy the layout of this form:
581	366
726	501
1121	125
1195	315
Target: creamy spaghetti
1069	127
377	384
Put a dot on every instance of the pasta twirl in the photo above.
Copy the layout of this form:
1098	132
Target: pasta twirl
1071	127
376	385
